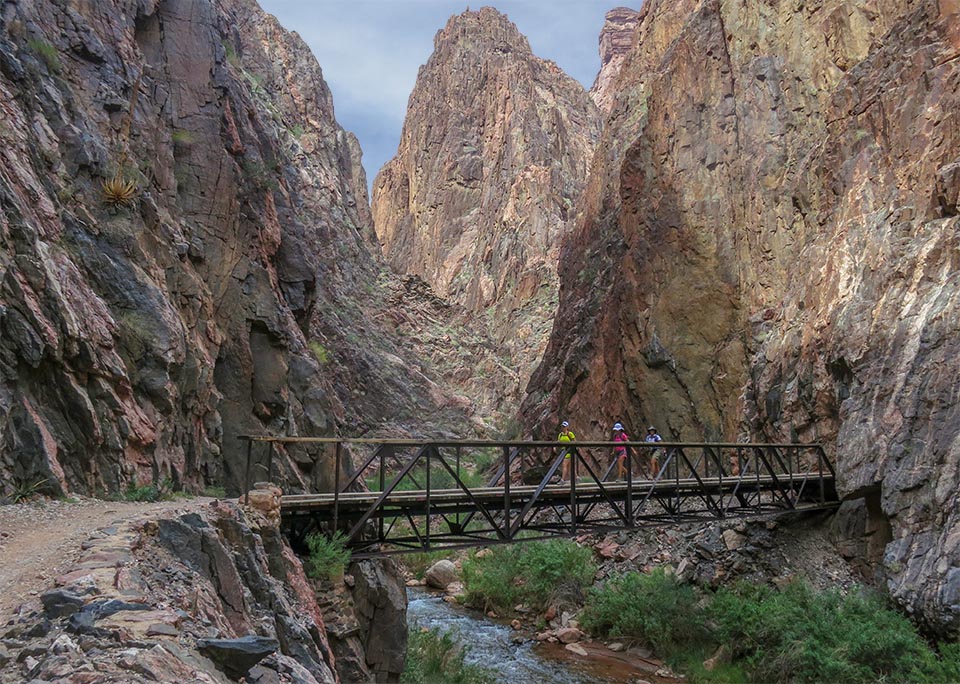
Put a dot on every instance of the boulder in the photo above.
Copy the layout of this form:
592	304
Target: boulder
236	656
59	603
569	635
440	574
576	648
733	540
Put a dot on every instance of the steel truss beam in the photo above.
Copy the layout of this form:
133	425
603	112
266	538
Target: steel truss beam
695	482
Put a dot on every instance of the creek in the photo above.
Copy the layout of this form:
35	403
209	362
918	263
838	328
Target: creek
490	645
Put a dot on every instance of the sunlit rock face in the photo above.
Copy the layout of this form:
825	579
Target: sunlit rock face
138	341
768	251
490	168
616	41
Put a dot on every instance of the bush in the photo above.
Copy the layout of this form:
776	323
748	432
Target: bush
796	635
653	608
321	353
526	573
433	657
47	52
150	493
328	555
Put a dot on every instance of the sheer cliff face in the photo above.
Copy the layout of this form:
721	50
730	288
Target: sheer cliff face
768	251
616	42
491	164
130	335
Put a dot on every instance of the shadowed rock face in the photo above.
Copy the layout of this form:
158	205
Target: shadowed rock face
139	341
491	164
768	251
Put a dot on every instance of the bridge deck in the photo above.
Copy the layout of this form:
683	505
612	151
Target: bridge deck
419	509
301	503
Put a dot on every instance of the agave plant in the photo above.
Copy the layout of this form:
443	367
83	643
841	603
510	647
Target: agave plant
24	490
118	192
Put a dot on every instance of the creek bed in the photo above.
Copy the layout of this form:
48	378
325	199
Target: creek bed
490	645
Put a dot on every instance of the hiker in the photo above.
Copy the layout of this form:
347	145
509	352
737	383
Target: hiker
652	436
620	452
566	435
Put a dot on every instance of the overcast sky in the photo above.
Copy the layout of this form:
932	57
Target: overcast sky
370	51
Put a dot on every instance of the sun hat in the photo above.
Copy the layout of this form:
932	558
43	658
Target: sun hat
617	426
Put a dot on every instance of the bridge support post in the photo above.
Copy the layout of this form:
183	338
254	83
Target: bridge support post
336	490
270	463
506	493
574	455
246	474
426	545
458	480
629	500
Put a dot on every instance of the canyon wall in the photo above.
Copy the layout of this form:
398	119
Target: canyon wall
768	251
490	168
616	42
233	292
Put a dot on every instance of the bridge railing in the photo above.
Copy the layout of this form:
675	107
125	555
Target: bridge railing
421	494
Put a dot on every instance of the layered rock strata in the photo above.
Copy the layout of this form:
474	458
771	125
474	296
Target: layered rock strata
203	596
616	42
229	288
490	167
767	253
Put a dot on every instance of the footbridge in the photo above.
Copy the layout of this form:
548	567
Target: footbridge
413	495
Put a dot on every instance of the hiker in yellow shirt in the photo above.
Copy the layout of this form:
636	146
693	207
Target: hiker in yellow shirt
566	435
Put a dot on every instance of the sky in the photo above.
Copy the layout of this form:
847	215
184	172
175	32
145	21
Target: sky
370	51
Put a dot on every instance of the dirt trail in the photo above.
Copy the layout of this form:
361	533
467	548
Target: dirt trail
39	540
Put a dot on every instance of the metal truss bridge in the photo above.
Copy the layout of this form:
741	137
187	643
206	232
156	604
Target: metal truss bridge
410	495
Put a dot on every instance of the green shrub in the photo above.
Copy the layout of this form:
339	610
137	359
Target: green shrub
948	668
797	635
653	608
162	491
230	52
215	491
433	658
320	352
24	490
47	52
328	555
526	573
182	137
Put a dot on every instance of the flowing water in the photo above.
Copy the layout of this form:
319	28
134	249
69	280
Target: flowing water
490	645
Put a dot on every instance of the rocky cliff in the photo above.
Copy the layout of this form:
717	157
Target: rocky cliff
184	250
768	252
490	168
210	594
616	41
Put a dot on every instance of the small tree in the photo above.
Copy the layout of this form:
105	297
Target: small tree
328	555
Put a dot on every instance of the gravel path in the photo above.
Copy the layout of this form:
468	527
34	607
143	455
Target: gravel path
38	540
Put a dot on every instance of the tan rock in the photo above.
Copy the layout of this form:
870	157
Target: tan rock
568	635
577	649
485	184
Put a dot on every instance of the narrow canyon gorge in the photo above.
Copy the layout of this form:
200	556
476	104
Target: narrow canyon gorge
745	231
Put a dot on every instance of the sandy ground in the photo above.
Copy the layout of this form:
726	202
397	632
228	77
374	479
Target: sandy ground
39	540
